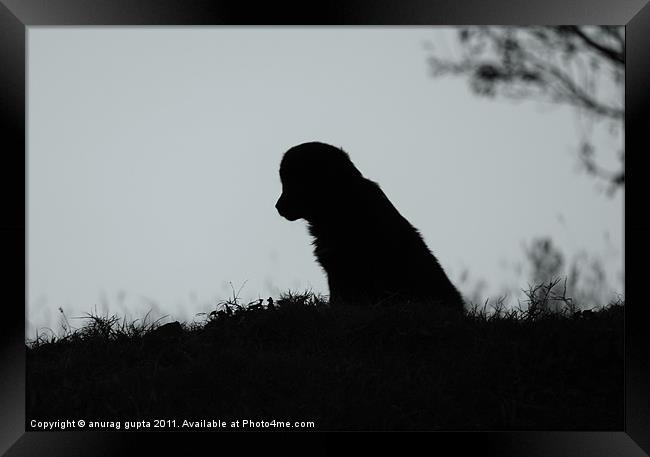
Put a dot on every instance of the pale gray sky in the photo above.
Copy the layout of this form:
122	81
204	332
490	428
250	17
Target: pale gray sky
153	155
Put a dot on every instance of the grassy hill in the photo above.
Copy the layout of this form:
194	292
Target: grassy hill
344	368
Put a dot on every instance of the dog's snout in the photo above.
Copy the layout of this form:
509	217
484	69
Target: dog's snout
280	207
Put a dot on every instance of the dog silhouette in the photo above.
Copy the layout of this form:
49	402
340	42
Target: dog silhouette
370	253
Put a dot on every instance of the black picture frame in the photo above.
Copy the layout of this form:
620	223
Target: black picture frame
17	15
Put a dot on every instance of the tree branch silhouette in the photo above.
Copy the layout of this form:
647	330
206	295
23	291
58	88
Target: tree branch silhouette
559	64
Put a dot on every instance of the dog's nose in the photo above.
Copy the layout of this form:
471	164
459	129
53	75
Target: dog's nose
278	207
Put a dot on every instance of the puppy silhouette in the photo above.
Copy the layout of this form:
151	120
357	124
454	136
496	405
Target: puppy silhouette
370	253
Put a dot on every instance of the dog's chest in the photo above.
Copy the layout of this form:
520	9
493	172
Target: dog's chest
340	253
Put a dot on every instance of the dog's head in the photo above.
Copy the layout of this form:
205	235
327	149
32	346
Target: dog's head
316	178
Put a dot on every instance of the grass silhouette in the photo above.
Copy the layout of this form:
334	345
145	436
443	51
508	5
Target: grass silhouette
345	368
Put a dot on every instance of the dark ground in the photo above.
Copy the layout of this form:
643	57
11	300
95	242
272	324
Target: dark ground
412	368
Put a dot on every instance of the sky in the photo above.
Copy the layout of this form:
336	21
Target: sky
153	155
